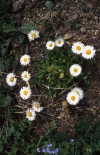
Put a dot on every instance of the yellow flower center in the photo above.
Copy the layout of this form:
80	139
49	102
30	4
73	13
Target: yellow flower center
50	45
25	76
25	59
72	98
33	35
88	52
11	79
75	70
36	105
29	114
78	48
59	42
25	92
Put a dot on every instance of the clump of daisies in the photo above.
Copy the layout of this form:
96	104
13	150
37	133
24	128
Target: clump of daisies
87	52
25	92
51	44
11	79
33	35
75	96
31	112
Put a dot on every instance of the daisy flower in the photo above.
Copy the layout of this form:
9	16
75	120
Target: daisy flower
88	52
25	76
36	106
30	114
79	91
50	45
33	34
77	47
73	98
75	70
25	60
59	42
25	93
11	80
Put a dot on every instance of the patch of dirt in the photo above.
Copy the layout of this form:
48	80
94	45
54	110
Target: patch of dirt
76	22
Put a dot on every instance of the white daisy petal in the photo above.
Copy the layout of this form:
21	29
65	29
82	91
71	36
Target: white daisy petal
30	114
75	70
59	42
73	98
25	76
11	80
33	34
25	93
88	52
50	45
77	47
79	91
36	107
25	60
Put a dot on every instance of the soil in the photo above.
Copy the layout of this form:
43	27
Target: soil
76	21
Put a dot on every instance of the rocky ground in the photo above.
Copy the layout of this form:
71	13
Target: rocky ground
76	21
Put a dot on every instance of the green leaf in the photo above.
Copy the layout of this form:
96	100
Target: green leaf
3	51
9	28
4	100
1	146
10	131
24	29
49	4
27	28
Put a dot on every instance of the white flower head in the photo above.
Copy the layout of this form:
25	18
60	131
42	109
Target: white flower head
25	76
88	52
73	98
79	91
50	45
25	60
59	42
33	34
11	80
36	106
25	93
75	70
77	47
30	114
